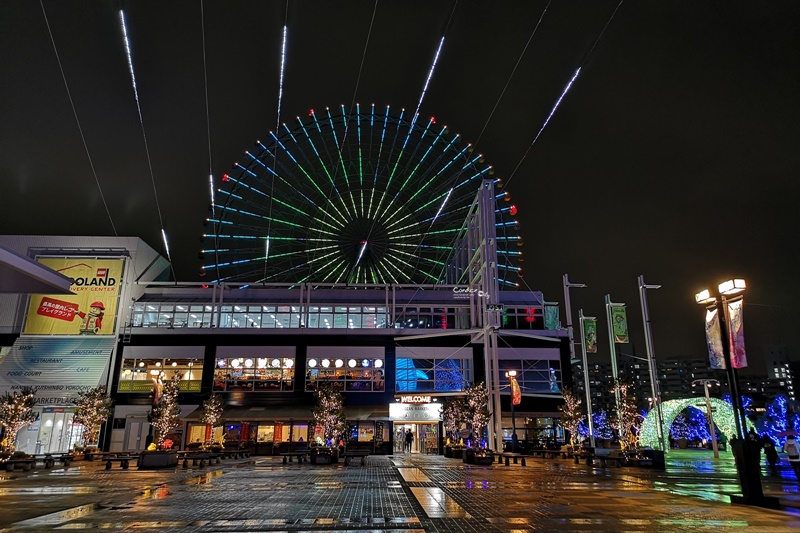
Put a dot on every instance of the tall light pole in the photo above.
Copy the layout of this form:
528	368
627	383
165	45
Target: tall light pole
708	383
568	306
512	375
589	420
655	389
720	337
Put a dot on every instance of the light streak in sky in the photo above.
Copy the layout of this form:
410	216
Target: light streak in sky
427	81
130	61
280	83
166	244
552	112
211	185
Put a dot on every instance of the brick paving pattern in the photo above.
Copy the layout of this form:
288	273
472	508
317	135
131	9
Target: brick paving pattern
404	494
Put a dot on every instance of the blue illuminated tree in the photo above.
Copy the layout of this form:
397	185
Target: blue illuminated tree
778	417
602	426
697	424
679	428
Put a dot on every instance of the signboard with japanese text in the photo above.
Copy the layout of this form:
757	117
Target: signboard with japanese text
619	323
589	326
399	412
736	333
716	355
57	368
92	310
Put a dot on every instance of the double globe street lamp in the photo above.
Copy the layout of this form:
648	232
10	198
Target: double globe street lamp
725	339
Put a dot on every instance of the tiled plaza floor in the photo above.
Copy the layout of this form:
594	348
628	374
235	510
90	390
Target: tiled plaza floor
407	493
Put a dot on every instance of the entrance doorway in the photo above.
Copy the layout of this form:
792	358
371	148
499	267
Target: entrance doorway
426	437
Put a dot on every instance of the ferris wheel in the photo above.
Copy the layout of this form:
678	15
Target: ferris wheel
368	197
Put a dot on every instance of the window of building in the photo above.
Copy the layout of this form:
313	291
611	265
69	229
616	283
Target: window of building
259	374
542	375
361	374
432	375
141	375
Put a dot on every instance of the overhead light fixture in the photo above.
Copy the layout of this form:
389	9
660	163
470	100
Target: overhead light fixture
326	363
732	286
352	363
378	363
339	363
312	363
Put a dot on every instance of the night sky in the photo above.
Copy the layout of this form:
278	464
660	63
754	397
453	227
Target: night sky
674	155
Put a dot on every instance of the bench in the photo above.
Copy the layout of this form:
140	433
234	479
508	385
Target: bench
508	456
355	454
640	461
199	458
123	459
49	460
288	456
22	464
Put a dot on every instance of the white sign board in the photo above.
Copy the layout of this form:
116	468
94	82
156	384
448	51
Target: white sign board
401	412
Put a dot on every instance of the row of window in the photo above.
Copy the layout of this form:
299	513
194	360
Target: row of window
170	315
277	374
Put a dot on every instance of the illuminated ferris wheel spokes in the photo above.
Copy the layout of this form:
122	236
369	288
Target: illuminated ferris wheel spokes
363	197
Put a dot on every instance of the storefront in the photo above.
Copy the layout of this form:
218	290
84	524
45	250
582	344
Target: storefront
420	417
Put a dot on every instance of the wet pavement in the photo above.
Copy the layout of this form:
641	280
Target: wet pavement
402	493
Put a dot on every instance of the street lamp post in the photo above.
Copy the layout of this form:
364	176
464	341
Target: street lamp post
708	383
512	374
655	389
745	452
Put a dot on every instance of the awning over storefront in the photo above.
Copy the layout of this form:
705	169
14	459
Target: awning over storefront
58	368
21	275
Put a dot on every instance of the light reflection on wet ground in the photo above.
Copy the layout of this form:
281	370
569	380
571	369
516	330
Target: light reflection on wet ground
426	492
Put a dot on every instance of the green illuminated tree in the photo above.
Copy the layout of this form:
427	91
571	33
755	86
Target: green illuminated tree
16	412
92	408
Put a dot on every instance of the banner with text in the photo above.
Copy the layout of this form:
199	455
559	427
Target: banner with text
93	308
716	356
58	368
589	326
551	320
619	324
736	330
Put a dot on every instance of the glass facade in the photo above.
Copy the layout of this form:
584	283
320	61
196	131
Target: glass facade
140	375
346	374
432	375
540	376
254	374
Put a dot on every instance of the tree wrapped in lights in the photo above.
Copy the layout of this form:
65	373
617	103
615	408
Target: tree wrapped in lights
453	415
679	428
602	427
166	412
92	408
778	417
625	419
476	408
571	414
329	412
16	412
212	411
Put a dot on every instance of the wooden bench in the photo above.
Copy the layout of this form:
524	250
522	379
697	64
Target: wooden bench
124	460
355	454
508	456
288	456
23	464
640	461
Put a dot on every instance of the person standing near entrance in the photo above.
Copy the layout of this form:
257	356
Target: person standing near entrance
409	440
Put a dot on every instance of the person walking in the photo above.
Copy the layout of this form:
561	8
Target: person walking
770	452
409	440
792	450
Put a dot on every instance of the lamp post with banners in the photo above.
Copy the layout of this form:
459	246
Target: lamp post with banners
725	340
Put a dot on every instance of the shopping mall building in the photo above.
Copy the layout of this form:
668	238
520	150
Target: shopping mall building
398	283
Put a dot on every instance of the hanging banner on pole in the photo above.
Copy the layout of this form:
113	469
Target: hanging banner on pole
516	393
589	326
716	356
619	324
736	330
551	321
